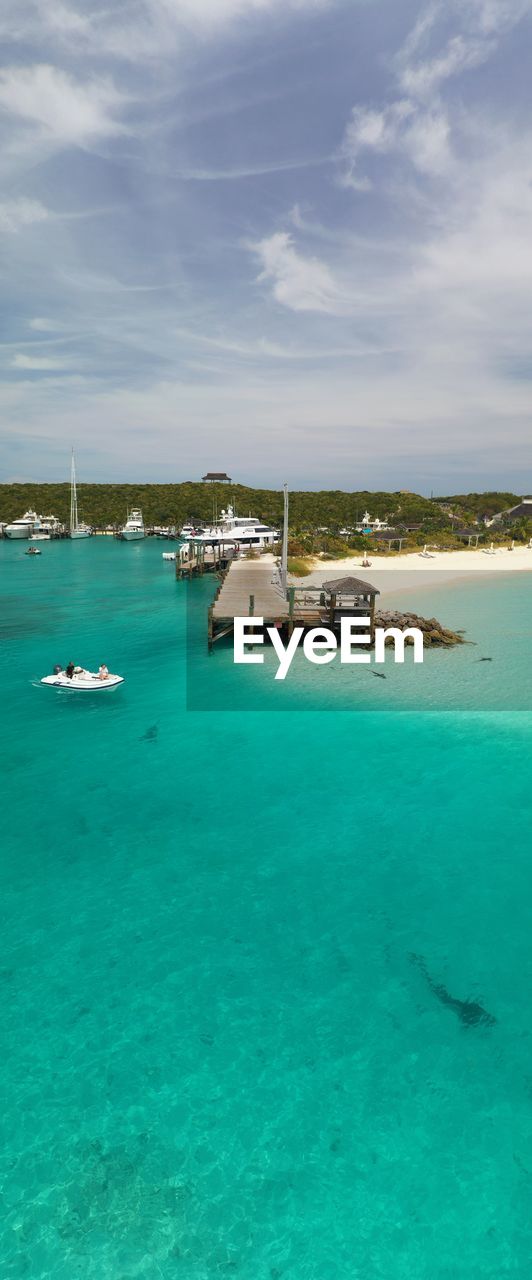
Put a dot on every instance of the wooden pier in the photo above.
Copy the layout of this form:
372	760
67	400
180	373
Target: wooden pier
249	588
254	589
196	558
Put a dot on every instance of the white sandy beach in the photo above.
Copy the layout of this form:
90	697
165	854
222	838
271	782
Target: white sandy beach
393	573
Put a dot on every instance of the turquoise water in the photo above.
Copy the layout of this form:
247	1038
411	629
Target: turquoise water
218	1059
494	613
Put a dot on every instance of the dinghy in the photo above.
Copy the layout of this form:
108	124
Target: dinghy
82	681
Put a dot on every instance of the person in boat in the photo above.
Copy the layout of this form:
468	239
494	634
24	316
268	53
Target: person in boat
103	672
69	670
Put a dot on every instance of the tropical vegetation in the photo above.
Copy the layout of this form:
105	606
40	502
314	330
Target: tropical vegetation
320	522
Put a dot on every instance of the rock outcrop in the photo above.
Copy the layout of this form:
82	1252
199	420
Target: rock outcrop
433	631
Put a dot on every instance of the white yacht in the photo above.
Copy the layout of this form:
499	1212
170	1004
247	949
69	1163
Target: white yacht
23	528
370	524
244	531
134	526
49	527
165	531
77	529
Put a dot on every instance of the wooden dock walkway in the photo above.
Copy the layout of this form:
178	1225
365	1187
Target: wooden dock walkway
193	559
250	588
246	580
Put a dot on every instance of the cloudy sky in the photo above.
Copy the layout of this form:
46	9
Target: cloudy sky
287	238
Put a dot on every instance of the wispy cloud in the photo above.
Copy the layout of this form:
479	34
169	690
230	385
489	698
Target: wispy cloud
449	297
170	211
42	324
15	214
460	54
303	284
417	124
493	17
252	170
481	23
63	109
37	364
143	31
264	349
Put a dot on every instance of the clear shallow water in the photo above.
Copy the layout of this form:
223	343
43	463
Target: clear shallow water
495	615
218	1058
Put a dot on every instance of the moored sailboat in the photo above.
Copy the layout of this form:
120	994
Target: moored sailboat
77	529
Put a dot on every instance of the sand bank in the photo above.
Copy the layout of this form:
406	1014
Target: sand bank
393	573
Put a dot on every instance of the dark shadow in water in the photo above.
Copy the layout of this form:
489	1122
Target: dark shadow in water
469	1012
150	735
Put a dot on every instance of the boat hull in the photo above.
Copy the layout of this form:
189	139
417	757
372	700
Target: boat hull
79	533
17	531
89	682
132	535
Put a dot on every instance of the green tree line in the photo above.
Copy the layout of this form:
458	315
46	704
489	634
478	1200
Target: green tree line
473	505
107	504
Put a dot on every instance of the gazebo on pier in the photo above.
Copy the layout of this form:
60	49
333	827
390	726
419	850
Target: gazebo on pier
349	598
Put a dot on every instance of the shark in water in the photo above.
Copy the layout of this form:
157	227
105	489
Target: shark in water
150	734
468	1011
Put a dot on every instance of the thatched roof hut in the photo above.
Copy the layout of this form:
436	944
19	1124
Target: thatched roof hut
350	587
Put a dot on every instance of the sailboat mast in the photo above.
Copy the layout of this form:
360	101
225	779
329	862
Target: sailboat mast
73	497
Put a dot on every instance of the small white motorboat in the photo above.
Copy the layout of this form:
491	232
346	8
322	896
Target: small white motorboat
82	681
